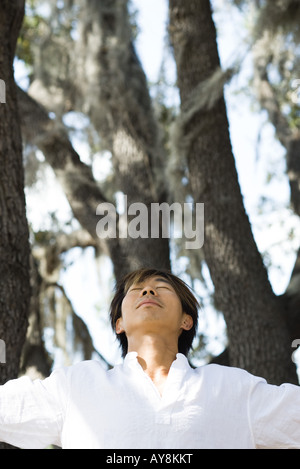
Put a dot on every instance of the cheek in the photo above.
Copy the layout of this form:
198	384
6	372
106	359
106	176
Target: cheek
123	305
175	302
126	304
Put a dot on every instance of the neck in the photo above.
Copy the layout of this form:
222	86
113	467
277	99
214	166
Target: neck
155	356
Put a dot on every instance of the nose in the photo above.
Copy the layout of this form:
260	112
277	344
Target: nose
147	290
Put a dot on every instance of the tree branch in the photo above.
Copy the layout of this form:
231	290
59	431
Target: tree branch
75	177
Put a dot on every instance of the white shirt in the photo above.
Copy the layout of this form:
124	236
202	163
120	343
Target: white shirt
85	406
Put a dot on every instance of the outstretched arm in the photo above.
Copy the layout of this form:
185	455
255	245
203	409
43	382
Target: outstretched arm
32	412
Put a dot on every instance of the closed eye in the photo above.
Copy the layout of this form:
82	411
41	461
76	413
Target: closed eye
165	287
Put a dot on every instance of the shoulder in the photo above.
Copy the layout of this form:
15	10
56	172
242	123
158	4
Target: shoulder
220	374
82	372
86	368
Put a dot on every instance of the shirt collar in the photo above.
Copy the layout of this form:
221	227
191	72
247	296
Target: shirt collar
180	362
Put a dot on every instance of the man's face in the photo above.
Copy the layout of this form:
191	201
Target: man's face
152	306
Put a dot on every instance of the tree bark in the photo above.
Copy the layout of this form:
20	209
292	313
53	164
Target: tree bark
14	237
257	333
14	244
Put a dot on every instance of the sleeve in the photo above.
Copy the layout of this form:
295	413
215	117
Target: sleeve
274	413
32	412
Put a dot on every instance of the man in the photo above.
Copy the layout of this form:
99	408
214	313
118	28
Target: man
154	399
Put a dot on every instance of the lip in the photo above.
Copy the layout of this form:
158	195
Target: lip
150	302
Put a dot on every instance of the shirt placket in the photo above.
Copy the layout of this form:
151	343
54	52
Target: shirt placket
163	405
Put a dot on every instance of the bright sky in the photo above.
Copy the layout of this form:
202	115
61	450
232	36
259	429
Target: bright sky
152	21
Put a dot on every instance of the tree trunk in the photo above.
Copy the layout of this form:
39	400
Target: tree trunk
257	333
122	113
14	244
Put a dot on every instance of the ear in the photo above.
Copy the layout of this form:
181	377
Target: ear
187	322
119	326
